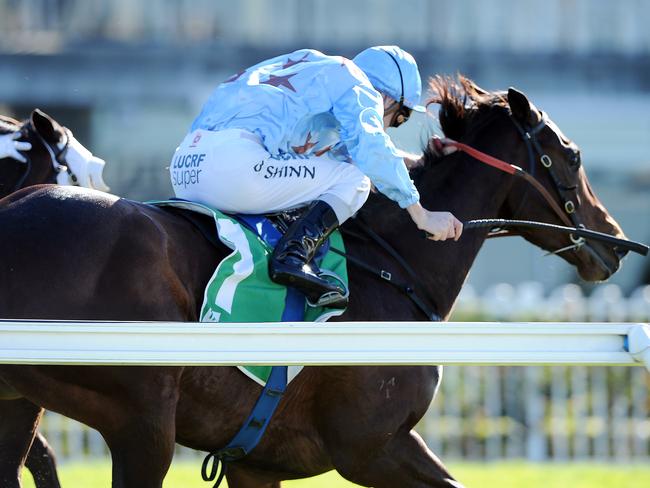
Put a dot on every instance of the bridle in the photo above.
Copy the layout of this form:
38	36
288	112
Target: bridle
57	155
567	211
535	151
567	215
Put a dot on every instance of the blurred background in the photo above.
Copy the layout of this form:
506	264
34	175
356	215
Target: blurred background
129	77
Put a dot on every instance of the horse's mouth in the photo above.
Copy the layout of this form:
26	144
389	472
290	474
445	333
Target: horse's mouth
599	262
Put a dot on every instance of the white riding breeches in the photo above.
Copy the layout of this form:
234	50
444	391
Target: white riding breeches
232	171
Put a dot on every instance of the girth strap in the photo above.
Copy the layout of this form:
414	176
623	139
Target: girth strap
252	431
255	425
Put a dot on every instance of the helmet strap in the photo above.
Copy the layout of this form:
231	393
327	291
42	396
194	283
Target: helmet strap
401	79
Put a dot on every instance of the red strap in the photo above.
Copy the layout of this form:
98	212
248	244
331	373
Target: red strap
485	158
510	169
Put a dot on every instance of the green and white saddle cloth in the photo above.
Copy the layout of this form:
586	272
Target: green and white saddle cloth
240	289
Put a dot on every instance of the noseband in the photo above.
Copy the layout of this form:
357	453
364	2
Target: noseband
535	151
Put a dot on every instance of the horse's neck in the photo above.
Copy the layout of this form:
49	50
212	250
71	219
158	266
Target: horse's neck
10	174
462	187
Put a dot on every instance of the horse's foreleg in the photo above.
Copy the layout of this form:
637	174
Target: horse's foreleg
140	425
404	462
18	422
142	449
41	462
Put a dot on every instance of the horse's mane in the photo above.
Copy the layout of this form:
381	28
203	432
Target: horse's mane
463	106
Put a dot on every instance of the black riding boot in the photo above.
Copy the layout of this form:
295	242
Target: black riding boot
291	265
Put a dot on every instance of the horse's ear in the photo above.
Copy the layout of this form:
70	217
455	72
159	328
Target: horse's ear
46	126
519	105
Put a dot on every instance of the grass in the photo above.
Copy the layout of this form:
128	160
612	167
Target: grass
473	475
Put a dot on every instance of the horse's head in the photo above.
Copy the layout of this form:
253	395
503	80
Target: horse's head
56	157
509	126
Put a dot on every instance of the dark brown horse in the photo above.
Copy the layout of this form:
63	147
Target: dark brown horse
129	261
46	163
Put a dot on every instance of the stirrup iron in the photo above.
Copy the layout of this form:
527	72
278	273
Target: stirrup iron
329	298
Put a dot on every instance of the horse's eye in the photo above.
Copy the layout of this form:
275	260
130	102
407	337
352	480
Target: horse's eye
575	161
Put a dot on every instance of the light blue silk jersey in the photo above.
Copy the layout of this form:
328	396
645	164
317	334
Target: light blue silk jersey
309	104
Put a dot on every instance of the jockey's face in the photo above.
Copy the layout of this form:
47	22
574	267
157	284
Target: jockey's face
394	113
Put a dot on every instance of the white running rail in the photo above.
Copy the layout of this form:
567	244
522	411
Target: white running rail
340	343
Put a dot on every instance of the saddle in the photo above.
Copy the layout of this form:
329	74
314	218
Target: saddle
204	223
256	235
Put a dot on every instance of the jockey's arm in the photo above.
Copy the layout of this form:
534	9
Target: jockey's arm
411	160
359	111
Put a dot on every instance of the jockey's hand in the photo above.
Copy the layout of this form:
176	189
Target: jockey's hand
10	147
439	225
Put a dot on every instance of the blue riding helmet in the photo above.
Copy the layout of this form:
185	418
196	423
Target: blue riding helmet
392	71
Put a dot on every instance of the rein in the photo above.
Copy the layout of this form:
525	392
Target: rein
511	169
576	230
406	288
568	215
493	224
58	158
21	180
498	224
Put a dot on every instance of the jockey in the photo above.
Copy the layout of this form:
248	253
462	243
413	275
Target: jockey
307	128
10	147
